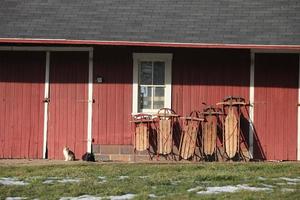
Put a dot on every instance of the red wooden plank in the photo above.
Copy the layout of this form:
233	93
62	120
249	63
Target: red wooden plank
20	119
68	103
111	114
276	94
208	77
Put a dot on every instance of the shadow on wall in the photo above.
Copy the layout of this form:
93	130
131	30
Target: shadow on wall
215	67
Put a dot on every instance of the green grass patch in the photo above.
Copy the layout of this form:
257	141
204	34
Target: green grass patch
165	181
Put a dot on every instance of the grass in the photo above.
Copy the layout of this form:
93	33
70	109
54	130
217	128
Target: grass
166	181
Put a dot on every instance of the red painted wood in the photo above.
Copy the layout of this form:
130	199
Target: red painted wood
21	93
68	103
276	97
148	44
208	76
197	77
113	97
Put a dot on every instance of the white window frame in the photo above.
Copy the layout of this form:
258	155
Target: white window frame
163	57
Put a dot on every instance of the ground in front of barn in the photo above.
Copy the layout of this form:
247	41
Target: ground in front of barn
44	179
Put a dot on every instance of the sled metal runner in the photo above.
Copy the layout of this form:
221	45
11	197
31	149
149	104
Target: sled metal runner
189	135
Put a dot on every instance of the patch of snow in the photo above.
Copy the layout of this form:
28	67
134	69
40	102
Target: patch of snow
291	183
102	177
267	185
48	181
15	198
123	177
231	189
143	177
69	180
216	190
152	196
280	183
83	197
290	179
261	178
123	197
256	189
11	181
52	180
175	182
195	189
287	190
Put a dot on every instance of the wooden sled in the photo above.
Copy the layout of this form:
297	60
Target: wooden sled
189	135
142	127
232	129
231	134
209	130
166	118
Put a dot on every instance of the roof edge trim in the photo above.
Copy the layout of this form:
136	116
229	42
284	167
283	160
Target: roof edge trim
147	44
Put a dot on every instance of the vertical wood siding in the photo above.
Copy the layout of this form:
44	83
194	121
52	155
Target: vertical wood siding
275	110
21	107
197	76
113	97
67	125
208	76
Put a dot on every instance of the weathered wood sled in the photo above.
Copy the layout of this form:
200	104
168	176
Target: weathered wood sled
142	126
166	118
210	131
231	126
189	135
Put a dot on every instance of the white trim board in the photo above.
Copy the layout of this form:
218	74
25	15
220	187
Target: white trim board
90	103
251	108
46	104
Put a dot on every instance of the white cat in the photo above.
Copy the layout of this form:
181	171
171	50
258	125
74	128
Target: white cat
69	155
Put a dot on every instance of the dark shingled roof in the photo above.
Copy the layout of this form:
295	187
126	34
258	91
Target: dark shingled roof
264	22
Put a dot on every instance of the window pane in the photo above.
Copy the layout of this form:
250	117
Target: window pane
146	73
159	73
159	97
145	97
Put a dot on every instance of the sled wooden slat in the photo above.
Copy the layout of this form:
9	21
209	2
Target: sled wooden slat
141	142
209	136
165	137
188	143
231	134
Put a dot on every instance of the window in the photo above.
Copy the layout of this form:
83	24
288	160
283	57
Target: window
151	82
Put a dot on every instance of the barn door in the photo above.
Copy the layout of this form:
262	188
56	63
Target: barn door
275	110
22	78
67	125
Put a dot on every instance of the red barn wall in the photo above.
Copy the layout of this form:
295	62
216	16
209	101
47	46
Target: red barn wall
208	76
275	108
113	97
67	118
22	78
198	75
